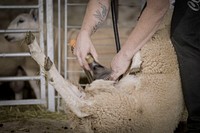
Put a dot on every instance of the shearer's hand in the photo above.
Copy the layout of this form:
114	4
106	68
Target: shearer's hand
82	48
119	65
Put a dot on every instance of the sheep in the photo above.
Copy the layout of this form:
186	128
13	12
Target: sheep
30	21
148	101
103	41
9	66
16	90
26	21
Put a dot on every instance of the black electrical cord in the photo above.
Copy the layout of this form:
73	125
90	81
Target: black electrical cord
114	11
142	10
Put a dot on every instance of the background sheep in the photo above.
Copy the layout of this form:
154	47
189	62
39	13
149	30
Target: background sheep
26	21
149	101
16	90
30	21
103	41
9	66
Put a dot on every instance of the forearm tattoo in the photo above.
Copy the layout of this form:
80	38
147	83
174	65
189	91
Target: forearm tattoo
100	15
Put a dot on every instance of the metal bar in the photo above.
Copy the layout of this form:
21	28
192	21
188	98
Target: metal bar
85	4
50	50
22	102
76	4
59	48
18	31
59	38
23	78
14	55
65	40
41	24
19	7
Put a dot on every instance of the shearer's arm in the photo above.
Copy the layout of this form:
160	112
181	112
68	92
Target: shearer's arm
146	26
96	13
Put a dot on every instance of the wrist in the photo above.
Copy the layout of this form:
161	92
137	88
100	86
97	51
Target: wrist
84	32
127	52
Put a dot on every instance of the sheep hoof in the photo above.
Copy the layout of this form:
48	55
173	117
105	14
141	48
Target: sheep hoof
134	71
48	64
29	38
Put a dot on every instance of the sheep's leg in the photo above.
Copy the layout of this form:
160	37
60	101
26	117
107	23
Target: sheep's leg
70	93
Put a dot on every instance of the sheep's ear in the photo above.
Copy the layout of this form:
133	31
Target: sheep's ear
20	71
34	14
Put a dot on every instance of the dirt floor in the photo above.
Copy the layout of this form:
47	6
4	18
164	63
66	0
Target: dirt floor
35	119
31	119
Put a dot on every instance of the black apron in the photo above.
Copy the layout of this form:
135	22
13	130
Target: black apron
185	36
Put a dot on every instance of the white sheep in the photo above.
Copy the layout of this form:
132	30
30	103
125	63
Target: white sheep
30	21
103	41
16	90
27	21
150	101
9	66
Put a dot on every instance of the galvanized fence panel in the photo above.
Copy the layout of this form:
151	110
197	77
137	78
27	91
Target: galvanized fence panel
60	15
40	77
50	50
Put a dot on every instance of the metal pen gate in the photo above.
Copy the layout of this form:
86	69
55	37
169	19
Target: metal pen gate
49	48
40	77
57	14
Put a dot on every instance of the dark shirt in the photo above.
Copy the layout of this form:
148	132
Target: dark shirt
185	25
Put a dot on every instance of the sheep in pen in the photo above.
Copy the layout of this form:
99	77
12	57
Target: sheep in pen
30	21
147	101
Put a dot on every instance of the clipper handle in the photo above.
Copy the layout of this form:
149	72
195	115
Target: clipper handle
89	76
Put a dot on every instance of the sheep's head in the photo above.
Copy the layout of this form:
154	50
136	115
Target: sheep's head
24	21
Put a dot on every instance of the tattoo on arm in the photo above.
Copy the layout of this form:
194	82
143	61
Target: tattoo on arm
100	15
